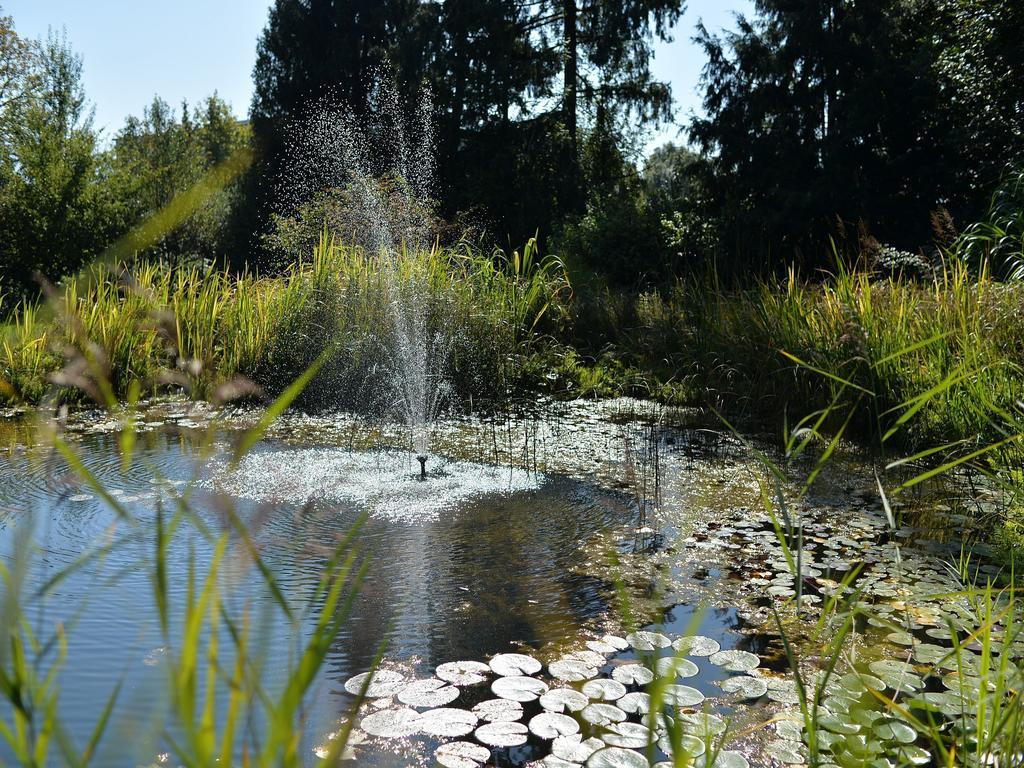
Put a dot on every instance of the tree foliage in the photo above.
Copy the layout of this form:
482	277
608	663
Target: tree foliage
833	116
54	213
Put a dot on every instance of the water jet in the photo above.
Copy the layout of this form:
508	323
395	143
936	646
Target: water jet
423	466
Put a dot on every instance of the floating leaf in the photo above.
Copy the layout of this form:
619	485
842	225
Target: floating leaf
447	722
549	725
563	700
571	670
619	643
682	696
632	674
745	687
670	666
602	714
463	672
519	688
502	734
735	661
788	752
895	730
590	658
499	710
628	735
392	723
647	641
575	749
616	757
696	645
428	693
604	690
703	724
600	646
637	702
461	754
730	759
689	747
514	664
385	682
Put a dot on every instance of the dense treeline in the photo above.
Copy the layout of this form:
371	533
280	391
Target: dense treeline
883	127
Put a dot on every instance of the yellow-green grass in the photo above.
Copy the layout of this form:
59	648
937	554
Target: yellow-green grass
200	328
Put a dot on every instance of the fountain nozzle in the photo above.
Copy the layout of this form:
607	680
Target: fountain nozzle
423	466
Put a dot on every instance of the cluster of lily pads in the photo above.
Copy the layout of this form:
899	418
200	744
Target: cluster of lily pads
584	711
920	658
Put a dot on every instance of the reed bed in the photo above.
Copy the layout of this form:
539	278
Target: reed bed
199	328
767	348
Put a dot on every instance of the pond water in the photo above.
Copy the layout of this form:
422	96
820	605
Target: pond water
516	542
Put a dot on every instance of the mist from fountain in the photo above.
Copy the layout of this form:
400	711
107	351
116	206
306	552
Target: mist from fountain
386	162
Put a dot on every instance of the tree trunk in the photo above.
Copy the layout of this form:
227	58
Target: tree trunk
569	100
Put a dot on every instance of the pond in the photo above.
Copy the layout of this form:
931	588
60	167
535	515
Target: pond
516	543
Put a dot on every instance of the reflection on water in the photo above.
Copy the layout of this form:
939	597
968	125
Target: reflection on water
493	561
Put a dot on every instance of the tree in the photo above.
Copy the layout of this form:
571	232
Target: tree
979	63
55	214
818	111
605	47
161	155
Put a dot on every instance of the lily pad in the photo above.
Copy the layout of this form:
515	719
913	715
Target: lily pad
384	683
571	670
602	714
689	747
575	749
619	643
600	646
671	666
550	725
632	674
682	696
728	758
461	754
519	688
628	735
563	700
447	722
463	672
604	689
590	658
895	730
702	724
745	687
499	710
788	752
514	664
735	661
696	645
428	693
502	734
637	702
392	723
616	757
647	641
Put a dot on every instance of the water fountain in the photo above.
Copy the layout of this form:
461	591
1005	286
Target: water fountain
386	161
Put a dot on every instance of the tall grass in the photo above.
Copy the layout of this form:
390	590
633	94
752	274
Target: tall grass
198	328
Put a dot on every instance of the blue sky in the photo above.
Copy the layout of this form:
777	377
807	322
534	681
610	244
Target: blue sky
188	49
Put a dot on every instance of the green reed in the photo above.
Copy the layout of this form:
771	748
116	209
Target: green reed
199	328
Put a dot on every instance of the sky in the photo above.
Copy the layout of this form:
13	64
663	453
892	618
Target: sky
187	49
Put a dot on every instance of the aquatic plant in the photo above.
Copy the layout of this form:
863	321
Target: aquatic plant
200	329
